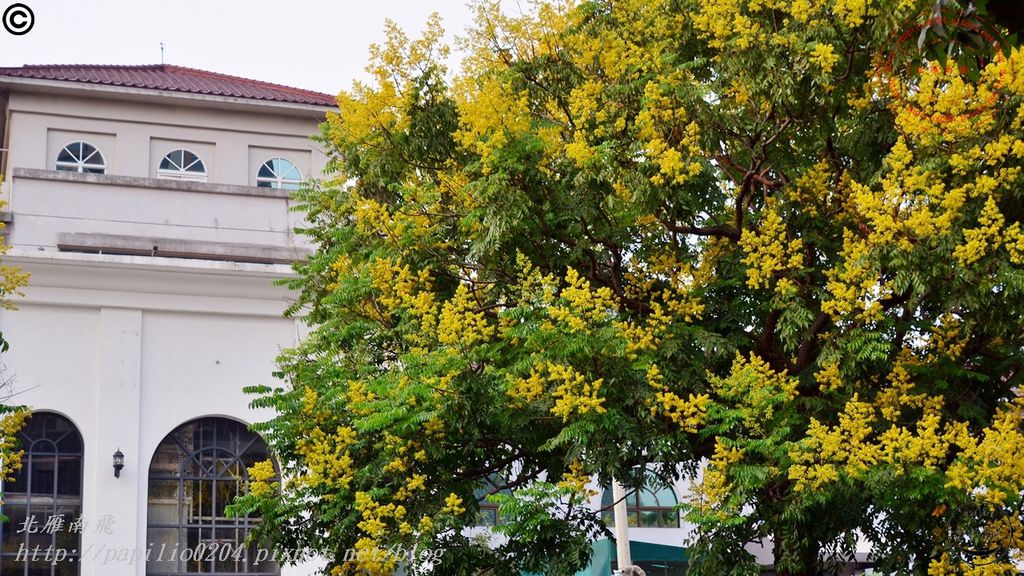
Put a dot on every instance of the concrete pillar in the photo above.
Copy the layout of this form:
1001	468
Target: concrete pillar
109	539
621	527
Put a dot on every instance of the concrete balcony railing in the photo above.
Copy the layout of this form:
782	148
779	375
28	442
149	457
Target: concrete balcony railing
69	211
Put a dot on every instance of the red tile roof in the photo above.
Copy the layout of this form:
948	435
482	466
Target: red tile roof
172	79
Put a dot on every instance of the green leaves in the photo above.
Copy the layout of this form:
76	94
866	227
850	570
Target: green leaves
715	236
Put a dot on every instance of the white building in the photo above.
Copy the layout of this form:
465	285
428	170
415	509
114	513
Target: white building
151	206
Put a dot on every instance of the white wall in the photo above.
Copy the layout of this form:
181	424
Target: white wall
133	136
43	209
130	347
128	132
128	375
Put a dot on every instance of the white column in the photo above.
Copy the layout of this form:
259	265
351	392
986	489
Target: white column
108	550
621	526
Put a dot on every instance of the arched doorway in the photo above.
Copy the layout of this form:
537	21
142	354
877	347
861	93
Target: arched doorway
196	472
43	503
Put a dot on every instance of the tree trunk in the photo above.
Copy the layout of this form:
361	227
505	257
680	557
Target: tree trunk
794	562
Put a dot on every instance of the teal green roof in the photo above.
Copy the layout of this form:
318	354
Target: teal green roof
605	553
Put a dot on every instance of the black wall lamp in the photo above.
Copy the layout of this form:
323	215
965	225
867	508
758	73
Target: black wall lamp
118	463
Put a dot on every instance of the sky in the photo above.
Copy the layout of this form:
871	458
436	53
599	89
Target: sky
318	45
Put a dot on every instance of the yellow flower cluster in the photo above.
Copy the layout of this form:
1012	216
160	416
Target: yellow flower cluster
918	205
688	413
815	462
10	459
573	393
368	113
1014	240
495	110
583	305
943	106
657	123
371	217
896	397
732	24
769	254
397	288
309	399
947	339
413	484
713	491
434	428
375	516
754	386
862	440
853	285
259	475
926	446
399	450
585	103
327	456
725	22
854	12
982	565
459	324
647	334
577	477
368	558
813	188
492	113
526	390
453	505
912	205
828	377
983	239
681	278
681	303
358	397
12	279
824	57
993	467
646	33
670	305
801	10
535	287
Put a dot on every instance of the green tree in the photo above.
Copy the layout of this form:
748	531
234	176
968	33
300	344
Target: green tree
753	236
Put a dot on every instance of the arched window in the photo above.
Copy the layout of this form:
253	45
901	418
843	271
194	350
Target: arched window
81	157
197	471
653	506
279	173
43	503
182	165
488	513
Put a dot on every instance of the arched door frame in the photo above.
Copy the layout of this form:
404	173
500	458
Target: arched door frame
186	499
50	441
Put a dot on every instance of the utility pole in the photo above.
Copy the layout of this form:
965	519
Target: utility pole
621	527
